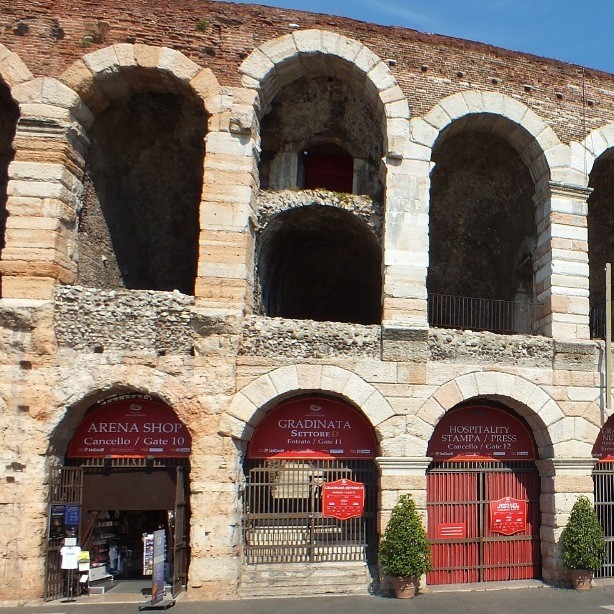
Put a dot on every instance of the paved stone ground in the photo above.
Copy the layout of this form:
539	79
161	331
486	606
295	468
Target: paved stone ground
525	600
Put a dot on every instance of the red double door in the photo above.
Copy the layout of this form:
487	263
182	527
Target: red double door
464	546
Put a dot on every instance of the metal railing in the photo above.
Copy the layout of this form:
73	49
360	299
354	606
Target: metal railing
506	317
597	323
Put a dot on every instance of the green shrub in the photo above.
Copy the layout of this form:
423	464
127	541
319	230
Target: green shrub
404	550
583	541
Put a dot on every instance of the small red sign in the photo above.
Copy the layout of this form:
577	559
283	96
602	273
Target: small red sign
508	516
481	432
343	499
451	530
313	427
131	427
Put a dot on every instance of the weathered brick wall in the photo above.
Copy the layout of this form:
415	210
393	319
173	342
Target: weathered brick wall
49	38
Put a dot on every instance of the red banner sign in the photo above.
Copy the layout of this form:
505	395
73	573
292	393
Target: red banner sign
132	427
451	530
604	446
313	427
343	499
508	516
481	433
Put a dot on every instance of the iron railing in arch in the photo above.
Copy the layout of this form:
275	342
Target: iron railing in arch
282	512
603	479
461	312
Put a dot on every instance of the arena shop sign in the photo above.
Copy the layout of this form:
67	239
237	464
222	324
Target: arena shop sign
132	427
313	427
481	433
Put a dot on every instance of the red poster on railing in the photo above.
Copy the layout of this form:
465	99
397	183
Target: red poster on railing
508	516
343	499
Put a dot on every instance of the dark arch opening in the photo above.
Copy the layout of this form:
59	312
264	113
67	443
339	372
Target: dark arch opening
320	263
139	224
600	236
482	217
9	114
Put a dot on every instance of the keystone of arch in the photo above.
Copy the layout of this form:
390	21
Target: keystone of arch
539	409
110	73
279	61
13	70
251	403
533	138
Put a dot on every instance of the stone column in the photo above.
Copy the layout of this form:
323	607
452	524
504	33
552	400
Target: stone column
44	192
561	262
225	263
563	480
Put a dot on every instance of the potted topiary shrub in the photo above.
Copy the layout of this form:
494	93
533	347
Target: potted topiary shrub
583	544
404	551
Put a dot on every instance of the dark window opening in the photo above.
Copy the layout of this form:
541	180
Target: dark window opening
328	167
139	224
320	263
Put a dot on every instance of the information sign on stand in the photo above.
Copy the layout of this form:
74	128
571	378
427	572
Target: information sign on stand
508	516
343	499
157	577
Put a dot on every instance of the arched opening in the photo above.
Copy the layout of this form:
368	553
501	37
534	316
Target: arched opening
483	497
124	481
322	132
603	480
482	231
139	224
311	485
9	114
320	263
600	237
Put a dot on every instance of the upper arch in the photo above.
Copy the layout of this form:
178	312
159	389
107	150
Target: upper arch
553	431
307	53
13	70
251	403
116	71
536	143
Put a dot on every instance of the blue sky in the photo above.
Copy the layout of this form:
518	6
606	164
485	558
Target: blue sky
575	31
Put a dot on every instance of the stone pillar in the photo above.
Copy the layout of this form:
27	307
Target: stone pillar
561	262
406	243
563	480
398	476
44	191
225	265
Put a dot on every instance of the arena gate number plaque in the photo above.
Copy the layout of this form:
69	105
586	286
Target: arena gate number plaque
343	499
508	516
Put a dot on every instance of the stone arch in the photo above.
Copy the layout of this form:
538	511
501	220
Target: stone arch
251	403
555	433
536	143
116	71
585	154
305	52
97	384
13	70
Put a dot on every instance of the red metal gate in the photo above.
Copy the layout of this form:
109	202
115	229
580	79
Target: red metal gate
464	548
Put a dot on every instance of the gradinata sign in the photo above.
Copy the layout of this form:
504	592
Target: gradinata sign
313	427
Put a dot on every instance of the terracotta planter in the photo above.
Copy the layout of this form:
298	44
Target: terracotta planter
404	588
581	579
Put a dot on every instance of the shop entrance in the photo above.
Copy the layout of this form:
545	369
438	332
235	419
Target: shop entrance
311	485
603	479
482	498
130	459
